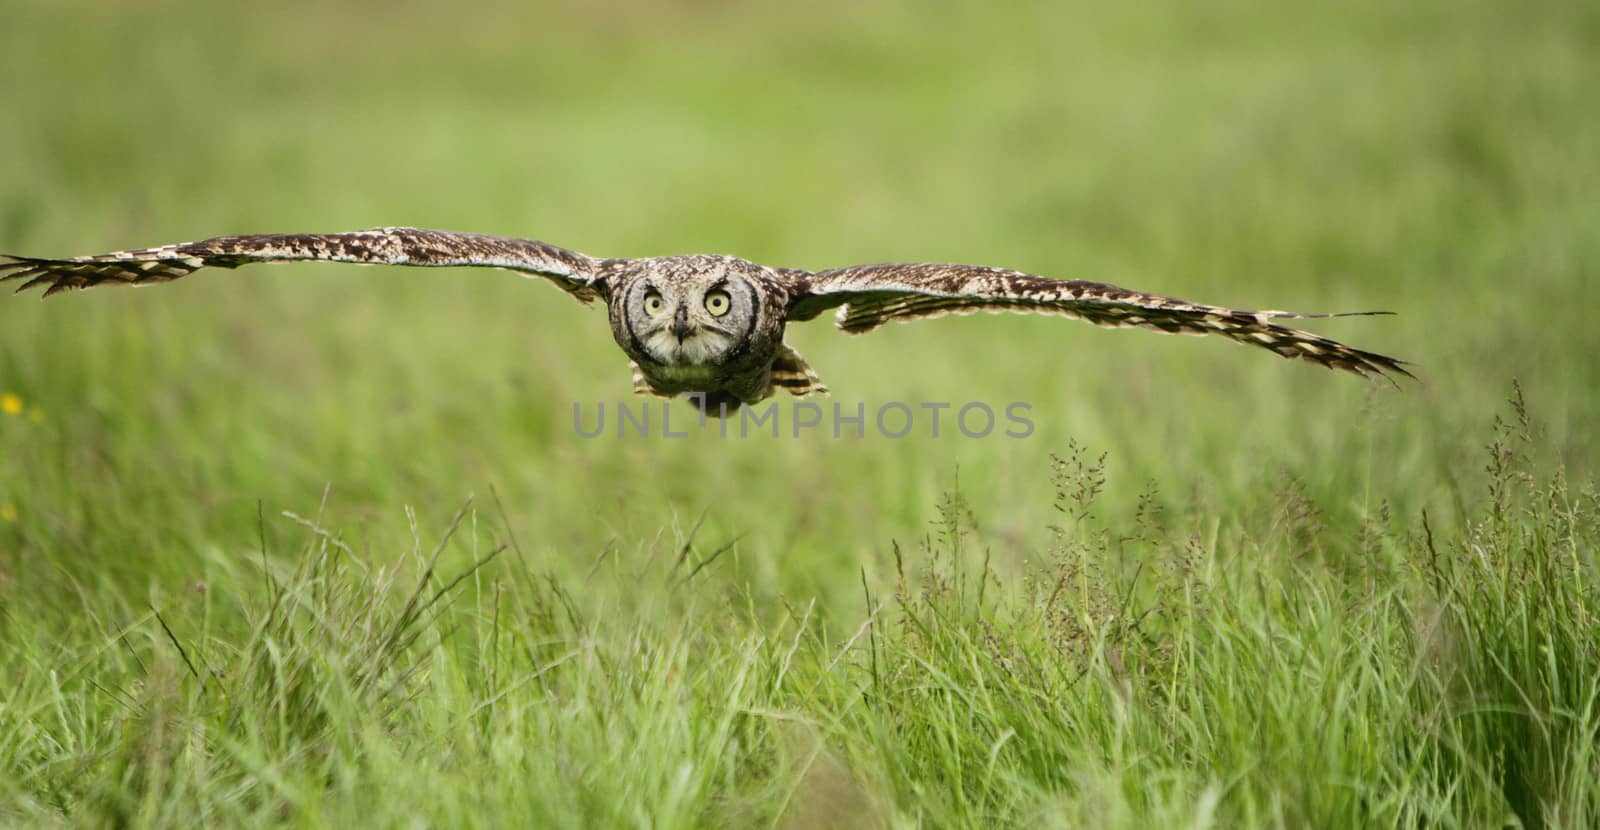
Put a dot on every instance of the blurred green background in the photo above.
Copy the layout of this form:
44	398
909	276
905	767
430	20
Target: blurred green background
1435	159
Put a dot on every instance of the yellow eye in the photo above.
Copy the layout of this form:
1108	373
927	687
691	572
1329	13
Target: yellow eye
717	303
653	304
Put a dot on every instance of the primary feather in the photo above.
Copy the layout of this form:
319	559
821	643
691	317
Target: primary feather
868	296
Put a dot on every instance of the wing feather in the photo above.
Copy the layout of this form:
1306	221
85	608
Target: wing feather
868	296
576	273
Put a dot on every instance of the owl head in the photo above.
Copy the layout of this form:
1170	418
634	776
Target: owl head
689	311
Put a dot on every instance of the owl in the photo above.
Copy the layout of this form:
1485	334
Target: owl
711	328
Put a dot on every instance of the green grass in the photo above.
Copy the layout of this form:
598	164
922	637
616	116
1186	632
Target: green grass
318	545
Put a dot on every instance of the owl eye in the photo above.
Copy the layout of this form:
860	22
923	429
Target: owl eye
653	304
717	303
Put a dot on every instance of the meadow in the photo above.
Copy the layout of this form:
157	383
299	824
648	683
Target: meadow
319	545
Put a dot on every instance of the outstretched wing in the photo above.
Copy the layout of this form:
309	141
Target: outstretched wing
573	272
870	295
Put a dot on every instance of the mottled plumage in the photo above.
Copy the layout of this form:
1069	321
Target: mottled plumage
711	327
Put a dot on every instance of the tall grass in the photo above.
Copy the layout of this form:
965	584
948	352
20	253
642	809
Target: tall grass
237	585
1138	673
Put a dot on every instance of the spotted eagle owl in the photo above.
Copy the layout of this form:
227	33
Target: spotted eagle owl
711	327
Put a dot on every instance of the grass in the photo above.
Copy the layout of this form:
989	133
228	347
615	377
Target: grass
320	545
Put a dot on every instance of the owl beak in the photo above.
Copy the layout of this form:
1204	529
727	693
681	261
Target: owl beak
680	324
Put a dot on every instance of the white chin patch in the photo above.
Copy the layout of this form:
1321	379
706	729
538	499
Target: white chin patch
697	349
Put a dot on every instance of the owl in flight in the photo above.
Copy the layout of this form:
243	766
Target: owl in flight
711	327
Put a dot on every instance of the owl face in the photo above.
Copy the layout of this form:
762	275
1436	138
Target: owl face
693	315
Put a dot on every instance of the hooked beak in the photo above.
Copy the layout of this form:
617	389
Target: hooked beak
680	324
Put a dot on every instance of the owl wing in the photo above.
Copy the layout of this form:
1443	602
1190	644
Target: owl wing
868	296
577	274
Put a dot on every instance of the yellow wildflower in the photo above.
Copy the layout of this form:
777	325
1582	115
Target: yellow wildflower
10	404
8	511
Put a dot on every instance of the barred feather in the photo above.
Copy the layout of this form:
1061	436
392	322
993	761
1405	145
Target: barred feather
793	374
870	295
574	272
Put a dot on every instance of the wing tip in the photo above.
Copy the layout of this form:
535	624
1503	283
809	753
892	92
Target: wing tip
1374	367
1279	314
23	268
17	262
56	287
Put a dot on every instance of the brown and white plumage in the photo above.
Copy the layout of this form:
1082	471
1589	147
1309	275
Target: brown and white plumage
570	270
712	326
870	295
